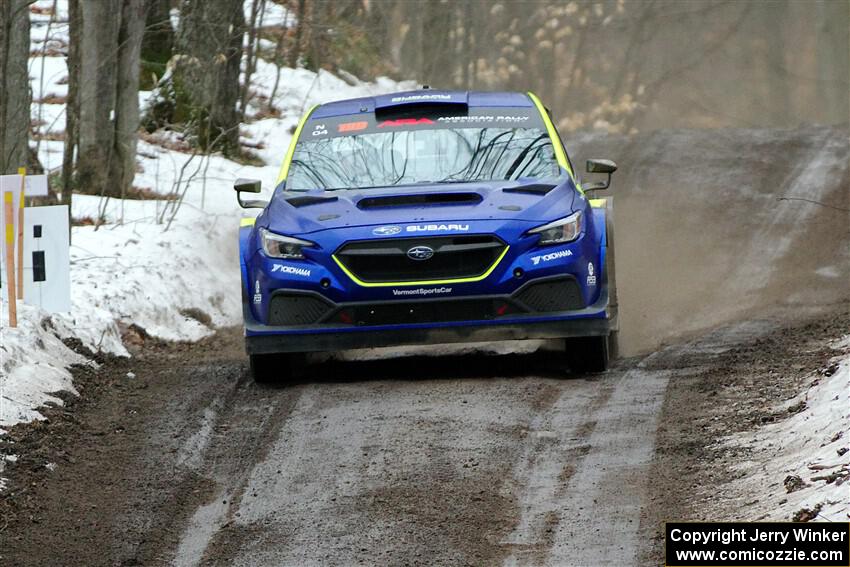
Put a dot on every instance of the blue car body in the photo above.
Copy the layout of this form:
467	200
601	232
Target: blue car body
373	276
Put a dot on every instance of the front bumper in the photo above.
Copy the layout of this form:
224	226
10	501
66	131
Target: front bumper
595	320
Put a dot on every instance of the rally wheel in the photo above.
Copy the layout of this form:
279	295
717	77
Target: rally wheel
588	354
275	368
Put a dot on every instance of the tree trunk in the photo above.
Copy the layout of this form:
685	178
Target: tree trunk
295	53
833	71
249	59
776	97
438	64
98	66
466	52
127	93
14	84
109	35
317	33
157	42
72	103
206	74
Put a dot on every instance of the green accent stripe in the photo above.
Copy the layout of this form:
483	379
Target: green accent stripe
360	282
284	167
560	153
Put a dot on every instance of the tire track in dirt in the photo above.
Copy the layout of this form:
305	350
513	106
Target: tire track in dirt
239	437
415	471
117	491
556	440
375	462
591	513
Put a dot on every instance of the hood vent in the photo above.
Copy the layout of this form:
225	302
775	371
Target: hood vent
534	189
308	200
419	200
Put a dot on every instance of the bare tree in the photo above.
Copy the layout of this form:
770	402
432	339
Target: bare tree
294	52
98	40
126	113
72	105
157	42
257	7
833	71
14	84
110	35
206	72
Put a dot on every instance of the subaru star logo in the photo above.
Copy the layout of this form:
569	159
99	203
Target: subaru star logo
420	253
386	230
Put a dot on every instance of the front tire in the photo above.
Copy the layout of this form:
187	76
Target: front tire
275	368
588	354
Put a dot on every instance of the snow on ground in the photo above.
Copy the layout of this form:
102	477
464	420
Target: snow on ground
273	14
813	445
149	263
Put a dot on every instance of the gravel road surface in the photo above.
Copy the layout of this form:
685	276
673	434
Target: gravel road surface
511	461
175	457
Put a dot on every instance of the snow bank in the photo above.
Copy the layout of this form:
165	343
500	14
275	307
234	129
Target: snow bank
811	446
149	265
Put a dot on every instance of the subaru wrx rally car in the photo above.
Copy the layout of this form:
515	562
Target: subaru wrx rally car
427	217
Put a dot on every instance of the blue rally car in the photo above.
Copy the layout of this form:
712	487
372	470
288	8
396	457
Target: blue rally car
427	217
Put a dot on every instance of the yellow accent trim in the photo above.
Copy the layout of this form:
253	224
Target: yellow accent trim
560	154
284	167
426	282
7	197
10	233
22	171
597	203
248	221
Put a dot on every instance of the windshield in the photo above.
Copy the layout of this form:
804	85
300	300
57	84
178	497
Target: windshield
360	154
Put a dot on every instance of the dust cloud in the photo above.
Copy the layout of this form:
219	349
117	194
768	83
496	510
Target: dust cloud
714	226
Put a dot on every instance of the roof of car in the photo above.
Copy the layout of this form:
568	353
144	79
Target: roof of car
470	98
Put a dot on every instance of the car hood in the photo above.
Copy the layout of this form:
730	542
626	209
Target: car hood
529	200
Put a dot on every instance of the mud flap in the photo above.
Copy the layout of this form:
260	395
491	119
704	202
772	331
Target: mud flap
611	268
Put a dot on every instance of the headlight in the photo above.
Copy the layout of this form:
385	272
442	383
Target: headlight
562	230
279	246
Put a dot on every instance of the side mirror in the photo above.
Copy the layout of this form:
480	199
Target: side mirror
249	186
600	166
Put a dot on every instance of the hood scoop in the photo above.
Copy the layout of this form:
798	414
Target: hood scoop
308	200
534	189
419	200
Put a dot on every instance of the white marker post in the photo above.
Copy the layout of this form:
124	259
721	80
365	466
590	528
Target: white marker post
9	215
13	189
22	171
47	265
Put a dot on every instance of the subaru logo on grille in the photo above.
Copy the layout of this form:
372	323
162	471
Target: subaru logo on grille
386	230
420	253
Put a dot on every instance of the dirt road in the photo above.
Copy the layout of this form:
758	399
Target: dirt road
177	458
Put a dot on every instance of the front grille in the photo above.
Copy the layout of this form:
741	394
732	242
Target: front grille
562	294
387	260
296	309
397	313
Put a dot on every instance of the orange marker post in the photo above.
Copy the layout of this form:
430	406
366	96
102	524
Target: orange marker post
22	171
10	257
